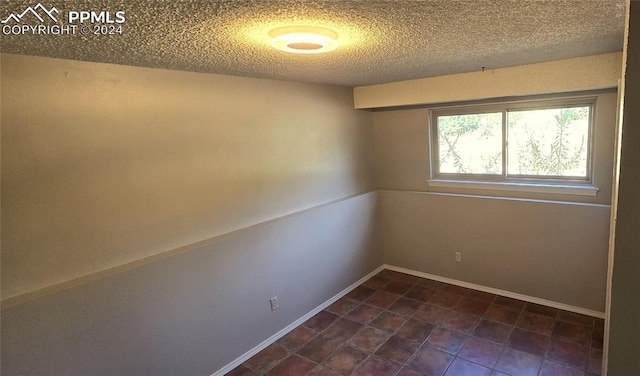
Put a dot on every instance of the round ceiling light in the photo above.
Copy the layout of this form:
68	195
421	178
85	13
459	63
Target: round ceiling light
301	40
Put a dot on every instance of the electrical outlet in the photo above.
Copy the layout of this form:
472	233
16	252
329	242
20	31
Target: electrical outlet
273	302
458	257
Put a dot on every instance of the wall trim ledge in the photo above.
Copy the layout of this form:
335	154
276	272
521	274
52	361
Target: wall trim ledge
488	197
505	293
81	280
242	358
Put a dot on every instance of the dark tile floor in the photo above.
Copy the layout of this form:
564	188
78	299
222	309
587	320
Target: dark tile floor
400	325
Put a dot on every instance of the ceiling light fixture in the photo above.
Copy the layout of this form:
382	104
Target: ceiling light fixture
304	40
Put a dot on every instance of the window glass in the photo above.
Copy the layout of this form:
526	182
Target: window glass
546	141
550	142
470	144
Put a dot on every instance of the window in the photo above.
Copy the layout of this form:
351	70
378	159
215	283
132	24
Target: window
533	144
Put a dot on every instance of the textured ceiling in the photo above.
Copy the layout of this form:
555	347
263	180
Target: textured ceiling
380	41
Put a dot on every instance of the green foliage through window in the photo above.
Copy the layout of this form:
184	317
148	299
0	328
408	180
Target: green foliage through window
541	142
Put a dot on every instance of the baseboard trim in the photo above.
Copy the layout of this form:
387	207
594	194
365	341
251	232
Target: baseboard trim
531	299
508	294
244	357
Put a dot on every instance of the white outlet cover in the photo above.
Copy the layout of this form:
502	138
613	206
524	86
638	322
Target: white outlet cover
273	302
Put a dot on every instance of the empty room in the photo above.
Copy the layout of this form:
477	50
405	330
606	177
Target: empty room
321	188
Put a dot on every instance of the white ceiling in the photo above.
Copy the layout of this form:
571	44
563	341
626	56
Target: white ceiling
380	41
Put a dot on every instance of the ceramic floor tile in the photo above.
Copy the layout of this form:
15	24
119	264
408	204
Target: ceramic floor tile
342	329
432	314
382	299
398	349
364	313
481	295
361	293
389	321
447	340
376	282
377	367
541	310
596	338
460	322
242	371
437	285
550	368
323	371
472	306
430	361
536	323
421	293
573	332
415	330
509	302
408	372
502	313
405	307
294	365
461	367
319	348
518	363
568	353
296	338
345	360
397	324
321	321
530	342
267	358
481	351
342	306
397	287
402	277
456	289
386	273
595	361
576	318
493	331
445	299
369	338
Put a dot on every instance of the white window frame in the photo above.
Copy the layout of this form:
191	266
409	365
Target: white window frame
582	186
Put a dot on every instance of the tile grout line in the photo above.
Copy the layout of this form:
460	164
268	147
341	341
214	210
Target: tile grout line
442	287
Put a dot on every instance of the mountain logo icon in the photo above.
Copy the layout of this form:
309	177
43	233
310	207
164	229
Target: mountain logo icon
36	11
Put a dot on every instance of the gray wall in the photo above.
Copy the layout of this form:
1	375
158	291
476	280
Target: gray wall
624	340
553	251
105	168
547	248
193	313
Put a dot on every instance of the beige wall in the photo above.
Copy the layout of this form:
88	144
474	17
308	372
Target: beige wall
550	248
624	340
560	76
106	169
103	165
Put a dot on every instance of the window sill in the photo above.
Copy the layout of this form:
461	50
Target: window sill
575	190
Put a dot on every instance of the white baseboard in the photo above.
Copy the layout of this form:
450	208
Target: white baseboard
531	299
244	357
508	294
